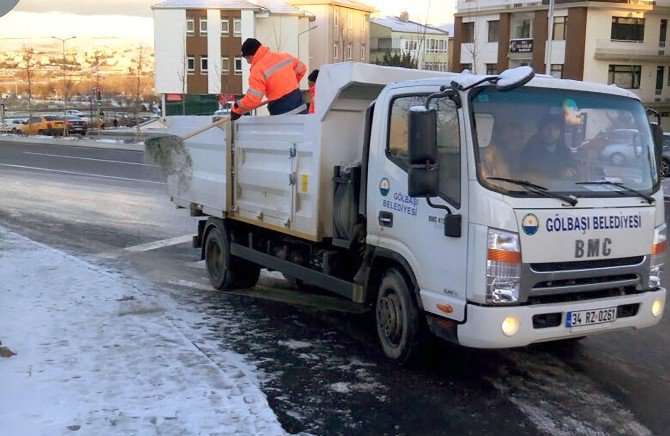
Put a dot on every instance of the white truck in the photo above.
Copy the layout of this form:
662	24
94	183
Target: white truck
445	202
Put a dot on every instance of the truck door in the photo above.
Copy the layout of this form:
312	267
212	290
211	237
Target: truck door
409	226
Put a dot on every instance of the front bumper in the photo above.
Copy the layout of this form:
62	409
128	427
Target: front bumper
482	328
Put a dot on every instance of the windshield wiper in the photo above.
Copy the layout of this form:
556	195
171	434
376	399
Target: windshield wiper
649	198
537	189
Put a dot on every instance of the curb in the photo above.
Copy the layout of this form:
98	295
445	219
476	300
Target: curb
73	143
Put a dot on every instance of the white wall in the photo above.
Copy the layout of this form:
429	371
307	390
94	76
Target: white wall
480	52
248	31
170	50
214	51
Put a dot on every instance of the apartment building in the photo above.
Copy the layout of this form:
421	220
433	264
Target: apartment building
619	42
340	32
428	46
198	64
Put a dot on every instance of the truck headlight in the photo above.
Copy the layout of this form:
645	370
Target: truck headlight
657	256
503	267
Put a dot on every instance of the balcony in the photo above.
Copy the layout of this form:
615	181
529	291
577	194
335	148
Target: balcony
629	51
521	45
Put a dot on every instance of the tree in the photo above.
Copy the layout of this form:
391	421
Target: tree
404	60
28	66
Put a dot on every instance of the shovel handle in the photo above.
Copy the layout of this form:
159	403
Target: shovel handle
223	120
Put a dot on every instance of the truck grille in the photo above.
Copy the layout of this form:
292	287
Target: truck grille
586	264
544	283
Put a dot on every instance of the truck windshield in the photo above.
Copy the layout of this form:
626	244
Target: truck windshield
562	140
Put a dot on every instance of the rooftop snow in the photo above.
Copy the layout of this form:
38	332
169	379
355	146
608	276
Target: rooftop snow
397	25
274	6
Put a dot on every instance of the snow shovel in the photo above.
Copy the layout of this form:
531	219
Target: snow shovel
169	151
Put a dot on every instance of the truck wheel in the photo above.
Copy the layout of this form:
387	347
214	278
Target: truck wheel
665	167
225	271
397	318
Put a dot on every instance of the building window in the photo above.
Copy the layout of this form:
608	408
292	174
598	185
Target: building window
560	28
225	66
627	29
411	45
556	71
466	67
238	65
204	65
336	18
225	27
363	51
190	64
190	27
491	69
237	27
468	32
203	27
625	76
336	50
493	31
349	53
350	20
523	29
435	66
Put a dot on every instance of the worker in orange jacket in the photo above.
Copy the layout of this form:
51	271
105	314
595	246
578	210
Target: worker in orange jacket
311	82
276	75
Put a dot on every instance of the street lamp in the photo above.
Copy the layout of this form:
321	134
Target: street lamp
300	33
63	40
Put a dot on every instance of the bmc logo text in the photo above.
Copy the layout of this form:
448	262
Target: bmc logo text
593	248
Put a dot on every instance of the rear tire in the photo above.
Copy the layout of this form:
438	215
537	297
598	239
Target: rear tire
398	320
225	271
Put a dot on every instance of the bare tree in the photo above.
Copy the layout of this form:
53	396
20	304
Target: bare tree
182	77
345	35
138	70
28	65
472	47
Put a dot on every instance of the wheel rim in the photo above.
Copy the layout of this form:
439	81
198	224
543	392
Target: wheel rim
390	318
214	260
665	168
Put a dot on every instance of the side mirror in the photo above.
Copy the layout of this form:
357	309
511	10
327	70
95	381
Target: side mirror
423	166
657	135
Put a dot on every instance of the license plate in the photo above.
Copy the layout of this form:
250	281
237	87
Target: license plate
590	317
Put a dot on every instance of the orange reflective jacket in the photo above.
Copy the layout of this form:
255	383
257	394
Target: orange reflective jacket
272	74
312	100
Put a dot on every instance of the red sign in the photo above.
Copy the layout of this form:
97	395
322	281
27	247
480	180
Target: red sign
173	97
225	98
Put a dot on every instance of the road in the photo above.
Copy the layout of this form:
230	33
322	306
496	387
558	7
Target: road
321	369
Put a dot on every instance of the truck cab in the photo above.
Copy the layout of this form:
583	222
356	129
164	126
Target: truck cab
481	209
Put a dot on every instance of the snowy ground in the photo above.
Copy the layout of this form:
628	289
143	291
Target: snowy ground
96	354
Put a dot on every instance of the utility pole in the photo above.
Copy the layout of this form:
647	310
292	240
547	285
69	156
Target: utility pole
550	37
63	40
2	113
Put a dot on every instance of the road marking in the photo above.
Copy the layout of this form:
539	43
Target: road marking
80	174
90	158
159	244
145	247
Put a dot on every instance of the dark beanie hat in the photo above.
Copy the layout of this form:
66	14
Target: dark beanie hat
313	76
250	46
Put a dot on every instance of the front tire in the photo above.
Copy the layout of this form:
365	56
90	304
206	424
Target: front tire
398	320
225	271
665	167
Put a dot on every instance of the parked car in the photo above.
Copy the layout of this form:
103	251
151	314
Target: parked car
13	125
74	112
76	125
225	112
44	125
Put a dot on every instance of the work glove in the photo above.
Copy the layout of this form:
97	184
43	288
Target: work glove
234	116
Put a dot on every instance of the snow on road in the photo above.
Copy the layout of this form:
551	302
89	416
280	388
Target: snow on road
95	354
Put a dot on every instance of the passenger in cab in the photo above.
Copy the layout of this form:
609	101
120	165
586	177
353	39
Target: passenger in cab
546	150
504	156
275	75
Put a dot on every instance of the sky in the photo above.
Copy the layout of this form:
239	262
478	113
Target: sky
130	20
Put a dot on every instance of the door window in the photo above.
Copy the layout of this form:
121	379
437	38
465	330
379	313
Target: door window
448	141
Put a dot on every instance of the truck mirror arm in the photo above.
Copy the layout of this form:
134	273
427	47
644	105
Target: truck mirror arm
445	91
